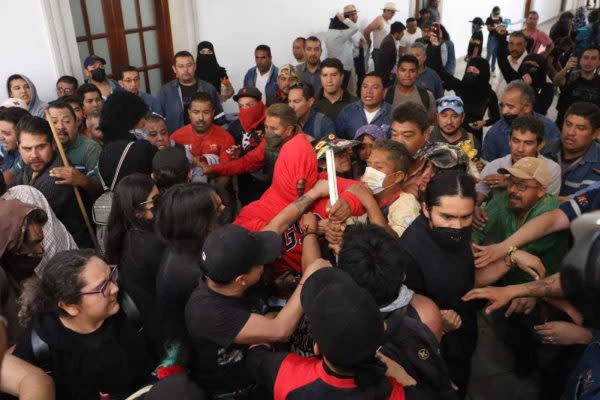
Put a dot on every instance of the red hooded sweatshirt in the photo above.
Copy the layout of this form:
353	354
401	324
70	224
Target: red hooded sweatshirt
297	160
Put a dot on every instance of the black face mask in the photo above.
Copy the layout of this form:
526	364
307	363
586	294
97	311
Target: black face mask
273	141
99	75
21	266
509	118
470	76
451	238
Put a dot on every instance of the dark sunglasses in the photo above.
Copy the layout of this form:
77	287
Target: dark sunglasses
446	103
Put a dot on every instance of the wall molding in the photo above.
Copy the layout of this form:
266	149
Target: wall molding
62	40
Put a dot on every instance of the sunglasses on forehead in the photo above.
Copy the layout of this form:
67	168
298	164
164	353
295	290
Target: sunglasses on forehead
155	114
445	103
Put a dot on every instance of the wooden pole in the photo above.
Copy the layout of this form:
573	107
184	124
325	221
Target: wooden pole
66	163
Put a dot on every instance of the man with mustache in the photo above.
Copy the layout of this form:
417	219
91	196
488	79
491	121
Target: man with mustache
516	101
82	152
526	198
526	140
38	151
448	129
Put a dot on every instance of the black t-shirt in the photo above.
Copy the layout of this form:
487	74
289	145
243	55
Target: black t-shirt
213	321
186	96
493	21
444	276
114	359
476	42
578	89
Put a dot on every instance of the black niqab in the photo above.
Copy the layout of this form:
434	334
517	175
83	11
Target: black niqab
207	67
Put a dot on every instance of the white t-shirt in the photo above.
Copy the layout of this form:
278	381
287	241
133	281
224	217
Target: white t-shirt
409	38
371	115
261	81
383	31
492	168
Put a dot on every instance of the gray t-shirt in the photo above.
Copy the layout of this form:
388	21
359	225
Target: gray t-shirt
415	98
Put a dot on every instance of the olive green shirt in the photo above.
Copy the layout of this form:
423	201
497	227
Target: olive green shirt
502	223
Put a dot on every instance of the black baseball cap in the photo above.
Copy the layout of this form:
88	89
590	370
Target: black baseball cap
343	317
231	251
178	387
248	92
173	158
89	60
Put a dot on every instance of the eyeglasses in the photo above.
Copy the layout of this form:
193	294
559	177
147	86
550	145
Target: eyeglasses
521	186
64	91
445	103
113	276
129	80
154	200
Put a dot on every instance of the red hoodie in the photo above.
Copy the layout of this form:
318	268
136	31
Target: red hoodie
297	160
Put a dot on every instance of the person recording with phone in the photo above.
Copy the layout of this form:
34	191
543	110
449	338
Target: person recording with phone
578	81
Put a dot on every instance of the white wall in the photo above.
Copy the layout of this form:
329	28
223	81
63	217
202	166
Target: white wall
236	28
25	46
547	9
457	14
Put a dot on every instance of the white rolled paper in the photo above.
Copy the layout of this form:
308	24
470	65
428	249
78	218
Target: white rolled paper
331	177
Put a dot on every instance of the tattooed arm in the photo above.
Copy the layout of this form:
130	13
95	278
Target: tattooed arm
500	296
297	208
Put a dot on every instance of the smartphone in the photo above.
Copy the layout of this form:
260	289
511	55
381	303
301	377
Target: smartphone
437	30
506	22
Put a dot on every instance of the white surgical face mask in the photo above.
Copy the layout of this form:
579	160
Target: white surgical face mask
374	179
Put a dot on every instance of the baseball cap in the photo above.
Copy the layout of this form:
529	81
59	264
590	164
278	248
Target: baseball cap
454	103
89	60
171	158
376	131
248	92
334	143
231	251
289	70
477	21
343	317
530	168
390	5
14	102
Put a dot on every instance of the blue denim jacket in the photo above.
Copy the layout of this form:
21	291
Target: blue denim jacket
171	103
584	382
271	88
353	117
495	143
581	173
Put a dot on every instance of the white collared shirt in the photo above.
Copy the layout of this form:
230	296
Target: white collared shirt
261	81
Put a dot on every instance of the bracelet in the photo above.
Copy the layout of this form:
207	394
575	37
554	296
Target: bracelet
510	254
307	233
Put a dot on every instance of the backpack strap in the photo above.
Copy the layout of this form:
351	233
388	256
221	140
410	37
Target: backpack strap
114	181
424	94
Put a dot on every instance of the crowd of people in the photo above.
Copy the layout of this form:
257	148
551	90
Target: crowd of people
153	246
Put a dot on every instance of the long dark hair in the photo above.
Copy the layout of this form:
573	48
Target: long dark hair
186	215
124	214
448	183
58	282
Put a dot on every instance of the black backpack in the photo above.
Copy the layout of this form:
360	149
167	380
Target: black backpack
412	345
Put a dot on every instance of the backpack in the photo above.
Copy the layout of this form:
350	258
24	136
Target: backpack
423	93
102	206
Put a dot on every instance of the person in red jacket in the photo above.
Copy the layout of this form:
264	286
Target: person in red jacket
280	126
296	171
